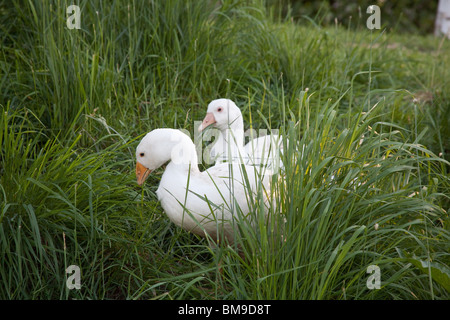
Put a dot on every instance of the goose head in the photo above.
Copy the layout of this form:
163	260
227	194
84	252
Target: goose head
160	146
223	114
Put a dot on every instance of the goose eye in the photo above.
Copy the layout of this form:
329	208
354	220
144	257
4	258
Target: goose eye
220	109
141	154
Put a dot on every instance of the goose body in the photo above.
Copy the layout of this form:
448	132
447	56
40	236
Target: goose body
200	202
226	116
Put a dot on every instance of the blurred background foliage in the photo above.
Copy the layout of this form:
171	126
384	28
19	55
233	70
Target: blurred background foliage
404	16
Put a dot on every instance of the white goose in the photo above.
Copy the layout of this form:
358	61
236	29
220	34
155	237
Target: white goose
226	116
189	196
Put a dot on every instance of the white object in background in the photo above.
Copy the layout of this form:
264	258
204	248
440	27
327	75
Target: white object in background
442	24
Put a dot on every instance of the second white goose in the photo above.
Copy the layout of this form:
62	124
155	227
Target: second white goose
226	116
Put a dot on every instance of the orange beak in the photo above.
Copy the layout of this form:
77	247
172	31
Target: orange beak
209	120
141	173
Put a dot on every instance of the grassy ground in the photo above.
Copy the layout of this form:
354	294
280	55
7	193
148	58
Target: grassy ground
368	184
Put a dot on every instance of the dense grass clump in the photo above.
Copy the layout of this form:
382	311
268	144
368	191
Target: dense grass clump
366	178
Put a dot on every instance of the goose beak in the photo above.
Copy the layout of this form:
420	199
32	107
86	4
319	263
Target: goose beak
209	120
141	173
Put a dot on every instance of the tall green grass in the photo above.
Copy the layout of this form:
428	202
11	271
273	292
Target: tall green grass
349	202
366	181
